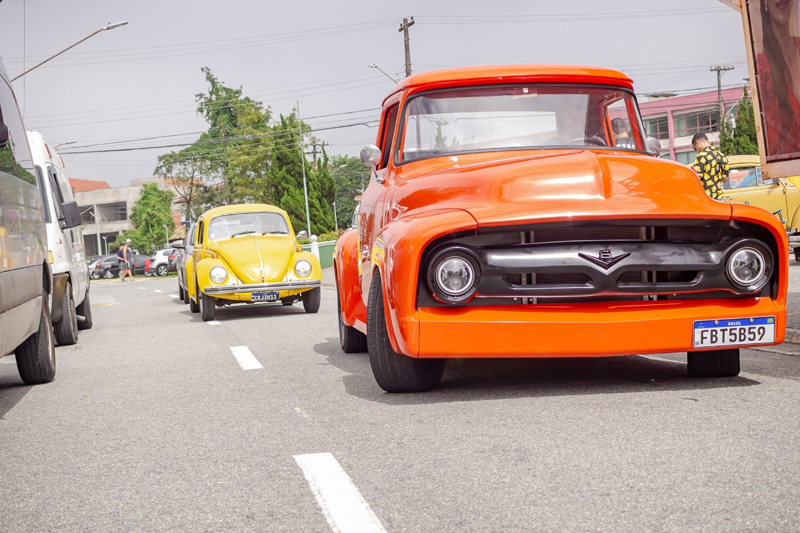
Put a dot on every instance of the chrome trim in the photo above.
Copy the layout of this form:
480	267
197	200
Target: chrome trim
260	260
258	287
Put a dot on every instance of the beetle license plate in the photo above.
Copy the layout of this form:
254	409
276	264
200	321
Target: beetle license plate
264	297
734	332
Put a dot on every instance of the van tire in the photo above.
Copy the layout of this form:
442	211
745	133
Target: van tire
395	372
85	310
36	357
67	327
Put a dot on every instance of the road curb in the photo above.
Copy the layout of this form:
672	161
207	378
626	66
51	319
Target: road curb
792	336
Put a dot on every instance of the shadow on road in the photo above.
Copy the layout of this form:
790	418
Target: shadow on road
482	379
248	312
12	389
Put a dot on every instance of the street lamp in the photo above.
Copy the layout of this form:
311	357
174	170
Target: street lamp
382	72
108	26
335	220
105	245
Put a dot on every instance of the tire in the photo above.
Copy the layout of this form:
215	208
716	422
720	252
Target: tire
194	306
350	339
67	327
713	364
797	255
311	300
36	357
185	296
395	372
161	270
181	293
95	274
108	274
207	307
85	310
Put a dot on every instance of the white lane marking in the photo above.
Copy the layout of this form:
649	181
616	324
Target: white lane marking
8	361
342	504
213	322
143	288
173	295
664	359
245	358
156	290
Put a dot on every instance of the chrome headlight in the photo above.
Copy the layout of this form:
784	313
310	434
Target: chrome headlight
748	268
218	274
453	276
302	268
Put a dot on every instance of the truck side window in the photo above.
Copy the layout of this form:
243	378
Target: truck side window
15	156
388	134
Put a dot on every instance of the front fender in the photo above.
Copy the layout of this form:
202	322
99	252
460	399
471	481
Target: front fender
345	264
203	269
397	252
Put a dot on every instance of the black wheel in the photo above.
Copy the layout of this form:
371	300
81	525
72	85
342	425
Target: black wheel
95	274
186	296
311	300
108	274
67	327
288	301
395	372
350	339
181	294
85	310
207	307
161	270
194	303
36	357
797	255
713	364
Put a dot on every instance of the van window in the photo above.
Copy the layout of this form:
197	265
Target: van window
48	218
15	156
56	197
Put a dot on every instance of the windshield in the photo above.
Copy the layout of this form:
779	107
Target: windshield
225	226
517	117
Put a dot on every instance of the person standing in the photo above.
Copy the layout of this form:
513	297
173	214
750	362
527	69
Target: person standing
710	165
123	262
129	259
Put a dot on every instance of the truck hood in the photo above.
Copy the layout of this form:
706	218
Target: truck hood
555	186
246	254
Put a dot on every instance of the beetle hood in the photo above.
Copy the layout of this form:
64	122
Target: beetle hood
554	186
246	255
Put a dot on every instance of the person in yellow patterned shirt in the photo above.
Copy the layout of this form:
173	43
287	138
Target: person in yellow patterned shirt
711	166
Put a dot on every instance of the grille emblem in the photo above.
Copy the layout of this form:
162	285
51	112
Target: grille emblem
605	258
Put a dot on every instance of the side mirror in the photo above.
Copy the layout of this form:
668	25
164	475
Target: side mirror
302	235
654	146
371	155
72	215
177	244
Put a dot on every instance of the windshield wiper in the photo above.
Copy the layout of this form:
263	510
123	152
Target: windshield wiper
248	232
275	233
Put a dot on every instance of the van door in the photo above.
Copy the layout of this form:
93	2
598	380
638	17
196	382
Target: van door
64	246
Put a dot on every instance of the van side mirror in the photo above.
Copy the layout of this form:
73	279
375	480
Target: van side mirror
72	215
177	244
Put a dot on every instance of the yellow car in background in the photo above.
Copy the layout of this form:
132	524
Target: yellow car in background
249	254
779	196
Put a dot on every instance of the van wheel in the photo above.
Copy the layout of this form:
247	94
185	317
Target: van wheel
67	327
180	291
395	372
311	300
350	339
207	306
194	306
713	363
36	357
85	310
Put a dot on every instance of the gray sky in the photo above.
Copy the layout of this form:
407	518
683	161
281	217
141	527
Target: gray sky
140	80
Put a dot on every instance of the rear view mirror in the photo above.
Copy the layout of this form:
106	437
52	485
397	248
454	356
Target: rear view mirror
654	146
371	155
72	215
302	235
177	244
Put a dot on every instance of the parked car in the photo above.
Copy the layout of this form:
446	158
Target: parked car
779	196
248	253
99	269
159	261
184	253
501	220
71	309
141	264
26	279
173	263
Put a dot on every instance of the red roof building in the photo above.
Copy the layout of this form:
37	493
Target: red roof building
79	185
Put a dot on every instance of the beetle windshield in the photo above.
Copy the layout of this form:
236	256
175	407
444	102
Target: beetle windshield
536	116
225	226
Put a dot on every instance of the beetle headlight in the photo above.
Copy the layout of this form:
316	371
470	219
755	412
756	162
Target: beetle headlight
302	268
747	268
218	274
453	276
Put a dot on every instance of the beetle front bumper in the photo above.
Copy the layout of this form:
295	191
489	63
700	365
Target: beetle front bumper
261	287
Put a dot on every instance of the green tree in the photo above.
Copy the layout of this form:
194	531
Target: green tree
743	140
348	173
151	212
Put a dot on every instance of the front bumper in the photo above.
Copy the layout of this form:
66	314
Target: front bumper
262	287
579	330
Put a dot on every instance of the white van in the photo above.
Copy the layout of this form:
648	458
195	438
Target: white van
71	309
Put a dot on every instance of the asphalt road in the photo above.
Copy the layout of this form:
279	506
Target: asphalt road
153	424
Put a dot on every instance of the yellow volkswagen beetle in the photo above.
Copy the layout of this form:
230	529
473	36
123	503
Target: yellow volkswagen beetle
249	254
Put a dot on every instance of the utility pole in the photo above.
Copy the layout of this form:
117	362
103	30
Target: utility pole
303	164
720	70
404	28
